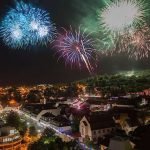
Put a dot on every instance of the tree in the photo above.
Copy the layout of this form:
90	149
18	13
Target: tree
141	137
22	128
14	120
33	131
49	141
75	125
34	96
38	145
48	132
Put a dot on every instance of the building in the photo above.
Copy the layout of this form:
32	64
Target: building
120	143
126	118
59	122
96	126
10	139
38	110
47	117
147	92
130	124
14	104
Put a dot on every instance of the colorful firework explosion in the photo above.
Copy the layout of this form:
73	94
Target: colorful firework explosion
76	48
137	43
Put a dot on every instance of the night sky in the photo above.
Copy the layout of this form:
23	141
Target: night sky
39	65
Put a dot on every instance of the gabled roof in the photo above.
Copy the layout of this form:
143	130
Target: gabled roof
133	122
48	115
100	121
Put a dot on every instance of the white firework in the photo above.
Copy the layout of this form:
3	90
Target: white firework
120	15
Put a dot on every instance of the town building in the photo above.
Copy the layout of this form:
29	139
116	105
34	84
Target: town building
10	139
126	118
96	126
120	143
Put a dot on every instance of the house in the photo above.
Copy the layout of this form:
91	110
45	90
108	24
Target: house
14	104
119	143
126	118
96	126
38	110
60	121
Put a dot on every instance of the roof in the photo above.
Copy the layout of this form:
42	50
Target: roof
48	115
13	103
61	119
101	121
119	138
133	122
37	108
120	110
5	131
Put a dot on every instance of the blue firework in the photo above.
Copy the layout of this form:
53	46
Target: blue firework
25	26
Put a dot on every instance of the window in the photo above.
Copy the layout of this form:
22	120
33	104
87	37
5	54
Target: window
82	131
94	132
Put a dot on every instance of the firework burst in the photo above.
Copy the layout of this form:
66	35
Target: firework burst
120	15
76	48
137	44
25	26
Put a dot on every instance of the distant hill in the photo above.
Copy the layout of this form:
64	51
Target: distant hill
134	73
121	82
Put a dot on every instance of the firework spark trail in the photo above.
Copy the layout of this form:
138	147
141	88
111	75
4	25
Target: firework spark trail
76	48
86	60
139	44
119	17
136	43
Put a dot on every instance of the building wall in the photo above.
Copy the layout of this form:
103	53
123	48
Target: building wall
119	145
101	132
127	128
85	130
92	134
53	111
15	145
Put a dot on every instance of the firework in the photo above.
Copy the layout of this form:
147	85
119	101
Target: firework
76	48
106	43
138	43
25	26
120	15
